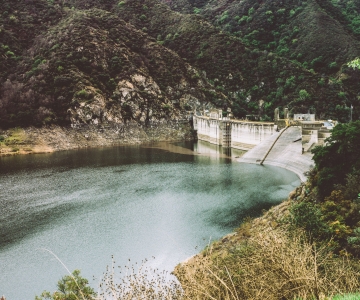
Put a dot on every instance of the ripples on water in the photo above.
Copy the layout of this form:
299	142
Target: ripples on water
131	202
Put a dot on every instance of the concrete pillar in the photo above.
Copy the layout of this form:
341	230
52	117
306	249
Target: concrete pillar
276	114
286	113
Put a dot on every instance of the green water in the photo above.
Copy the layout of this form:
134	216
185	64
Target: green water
132	202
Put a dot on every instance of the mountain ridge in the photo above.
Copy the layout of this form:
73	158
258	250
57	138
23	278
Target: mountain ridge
217	54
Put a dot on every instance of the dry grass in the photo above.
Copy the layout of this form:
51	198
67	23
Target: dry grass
268	265
140	283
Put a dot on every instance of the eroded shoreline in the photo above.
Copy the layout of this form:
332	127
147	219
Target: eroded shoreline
49	139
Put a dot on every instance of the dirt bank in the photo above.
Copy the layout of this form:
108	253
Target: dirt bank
55	138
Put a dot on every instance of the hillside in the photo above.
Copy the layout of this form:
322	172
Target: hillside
315	33
92	67
93	62
321	36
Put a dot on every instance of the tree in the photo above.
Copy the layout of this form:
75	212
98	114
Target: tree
70	287
340	156
355	64
304	95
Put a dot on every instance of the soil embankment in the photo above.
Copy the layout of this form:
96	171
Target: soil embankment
55	138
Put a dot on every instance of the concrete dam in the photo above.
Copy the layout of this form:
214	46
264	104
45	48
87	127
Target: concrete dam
262	140
238	134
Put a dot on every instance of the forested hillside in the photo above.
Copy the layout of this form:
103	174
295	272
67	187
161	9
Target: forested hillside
78	61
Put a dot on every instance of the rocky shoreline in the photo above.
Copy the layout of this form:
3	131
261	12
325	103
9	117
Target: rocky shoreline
48	139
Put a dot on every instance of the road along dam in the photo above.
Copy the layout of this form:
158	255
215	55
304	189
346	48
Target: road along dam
265	144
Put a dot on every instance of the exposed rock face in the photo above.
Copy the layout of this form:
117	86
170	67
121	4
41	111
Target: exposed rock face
94	68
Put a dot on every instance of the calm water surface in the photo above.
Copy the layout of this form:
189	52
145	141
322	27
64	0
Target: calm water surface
132	202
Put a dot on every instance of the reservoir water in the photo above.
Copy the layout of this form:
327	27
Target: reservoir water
133	202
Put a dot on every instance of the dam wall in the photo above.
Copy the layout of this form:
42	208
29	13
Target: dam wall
243	135
286	152
246	135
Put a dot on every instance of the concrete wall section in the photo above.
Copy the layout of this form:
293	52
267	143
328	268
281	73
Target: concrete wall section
245	135
208	130
242	135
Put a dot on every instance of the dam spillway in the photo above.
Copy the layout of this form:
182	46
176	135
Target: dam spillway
238	134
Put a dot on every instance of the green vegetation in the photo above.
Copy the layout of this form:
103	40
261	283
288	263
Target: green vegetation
346	297
330	209
16	137
338	158
355	64
70	287
284	37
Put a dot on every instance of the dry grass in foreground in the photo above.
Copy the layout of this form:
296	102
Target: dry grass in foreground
268	265
265	265
140	283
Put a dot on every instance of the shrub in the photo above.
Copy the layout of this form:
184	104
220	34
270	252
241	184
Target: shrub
321	82
56	46
223	17
243	19
308	216
338	157
342	95
166	107
333	65
355	64
303	95
82	94
70	287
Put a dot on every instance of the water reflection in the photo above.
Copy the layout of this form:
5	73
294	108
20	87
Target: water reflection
217	151
200	148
